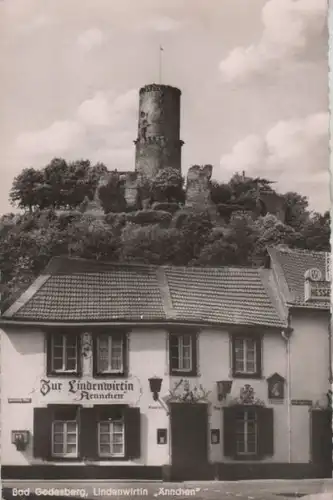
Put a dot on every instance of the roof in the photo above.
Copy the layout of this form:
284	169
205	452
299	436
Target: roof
79	290
290	266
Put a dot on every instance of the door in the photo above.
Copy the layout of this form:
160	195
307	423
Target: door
321	441
189	435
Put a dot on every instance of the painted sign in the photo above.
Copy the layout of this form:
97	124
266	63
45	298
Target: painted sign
328	258
19	400
89	390
320	290
301	402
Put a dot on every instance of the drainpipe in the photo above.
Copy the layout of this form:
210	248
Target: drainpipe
286	336
330	374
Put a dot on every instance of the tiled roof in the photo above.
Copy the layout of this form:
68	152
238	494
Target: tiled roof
290	266
89	291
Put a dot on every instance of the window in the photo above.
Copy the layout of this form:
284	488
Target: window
64	438
110	355
111	438
246	356
183	354
75	433
246	433
62	353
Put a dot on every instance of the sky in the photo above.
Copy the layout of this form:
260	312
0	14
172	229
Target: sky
253	76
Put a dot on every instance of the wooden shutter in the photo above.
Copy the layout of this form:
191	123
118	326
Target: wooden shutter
195	343
48	353
321	436
88	438
265	428
132	432
42	437
229	431
173	352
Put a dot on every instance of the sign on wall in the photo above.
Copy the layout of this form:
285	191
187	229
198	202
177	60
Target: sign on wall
328	258
125	391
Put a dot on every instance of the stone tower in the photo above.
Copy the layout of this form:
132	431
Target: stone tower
158	144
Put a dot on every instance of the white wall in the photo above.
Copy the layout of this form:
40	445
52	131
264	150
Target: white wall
23	362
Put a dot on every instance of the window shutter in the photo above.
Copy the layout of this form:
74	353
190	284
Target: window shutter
87	428
48	353
259	344
321	436
229	431
195	341
265	432
233	355
132	432
79	354
173	351
42	437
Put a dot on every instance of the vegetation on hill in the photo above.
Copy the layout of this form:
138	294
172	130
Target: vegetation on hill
52	222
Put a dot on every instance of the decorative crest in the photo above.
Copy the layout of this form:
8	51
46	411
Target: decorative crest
183	393
313	274
247	397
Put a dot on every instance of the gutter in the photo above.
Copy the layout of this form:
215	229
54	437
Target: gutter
13	322
286	334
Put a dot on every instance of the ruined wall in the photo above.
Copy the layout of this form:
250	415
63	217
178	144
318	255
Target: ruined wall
273	203
198	185
158	144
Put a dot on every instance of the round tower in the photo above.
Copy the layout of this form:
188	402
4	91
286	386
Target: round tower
158	144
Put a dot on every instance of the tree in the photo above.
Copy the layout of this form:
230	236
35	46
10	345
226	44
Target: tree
112	194
26	189
167	186
59	185
297	213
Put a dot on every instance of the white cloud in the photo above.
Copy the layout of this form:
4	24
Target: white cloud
90	39
103	129
294	153
289	27
56	139
95	111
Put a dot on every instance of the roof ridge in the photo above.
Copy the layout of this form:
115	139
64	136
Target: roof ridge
297	250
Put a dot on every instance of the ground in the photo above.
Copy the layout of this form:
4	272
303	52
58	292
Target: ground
241	490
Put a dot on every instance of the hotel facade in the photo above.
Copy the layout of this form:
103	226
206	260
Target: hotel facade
127	371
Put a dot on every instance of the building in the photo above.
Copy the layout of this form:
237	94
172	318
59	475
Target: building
131	371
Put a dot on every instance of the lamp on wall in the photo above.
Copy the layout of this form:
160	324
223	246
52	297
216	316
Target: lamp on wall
223	389
155	384
20	439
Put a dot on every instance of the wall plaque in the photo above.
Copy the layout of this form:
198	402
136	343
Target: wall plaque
275	387
19	400
301	402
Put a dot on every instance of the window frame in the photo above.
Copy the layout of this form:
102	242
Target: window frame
51	337
124	354
258	350
64	456
193	370
247	454
111	455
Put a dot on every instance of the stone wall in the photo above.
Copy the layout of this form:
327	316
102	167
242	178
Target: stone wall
198	185
158	143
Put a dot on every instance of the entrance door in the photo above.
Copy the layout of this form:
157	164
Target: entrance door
321	441
189	443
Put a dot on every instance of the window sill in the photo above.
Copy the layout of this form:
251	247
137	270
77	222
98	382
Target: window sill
247	375
64	459
247	458
64	374
185	374
110	375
